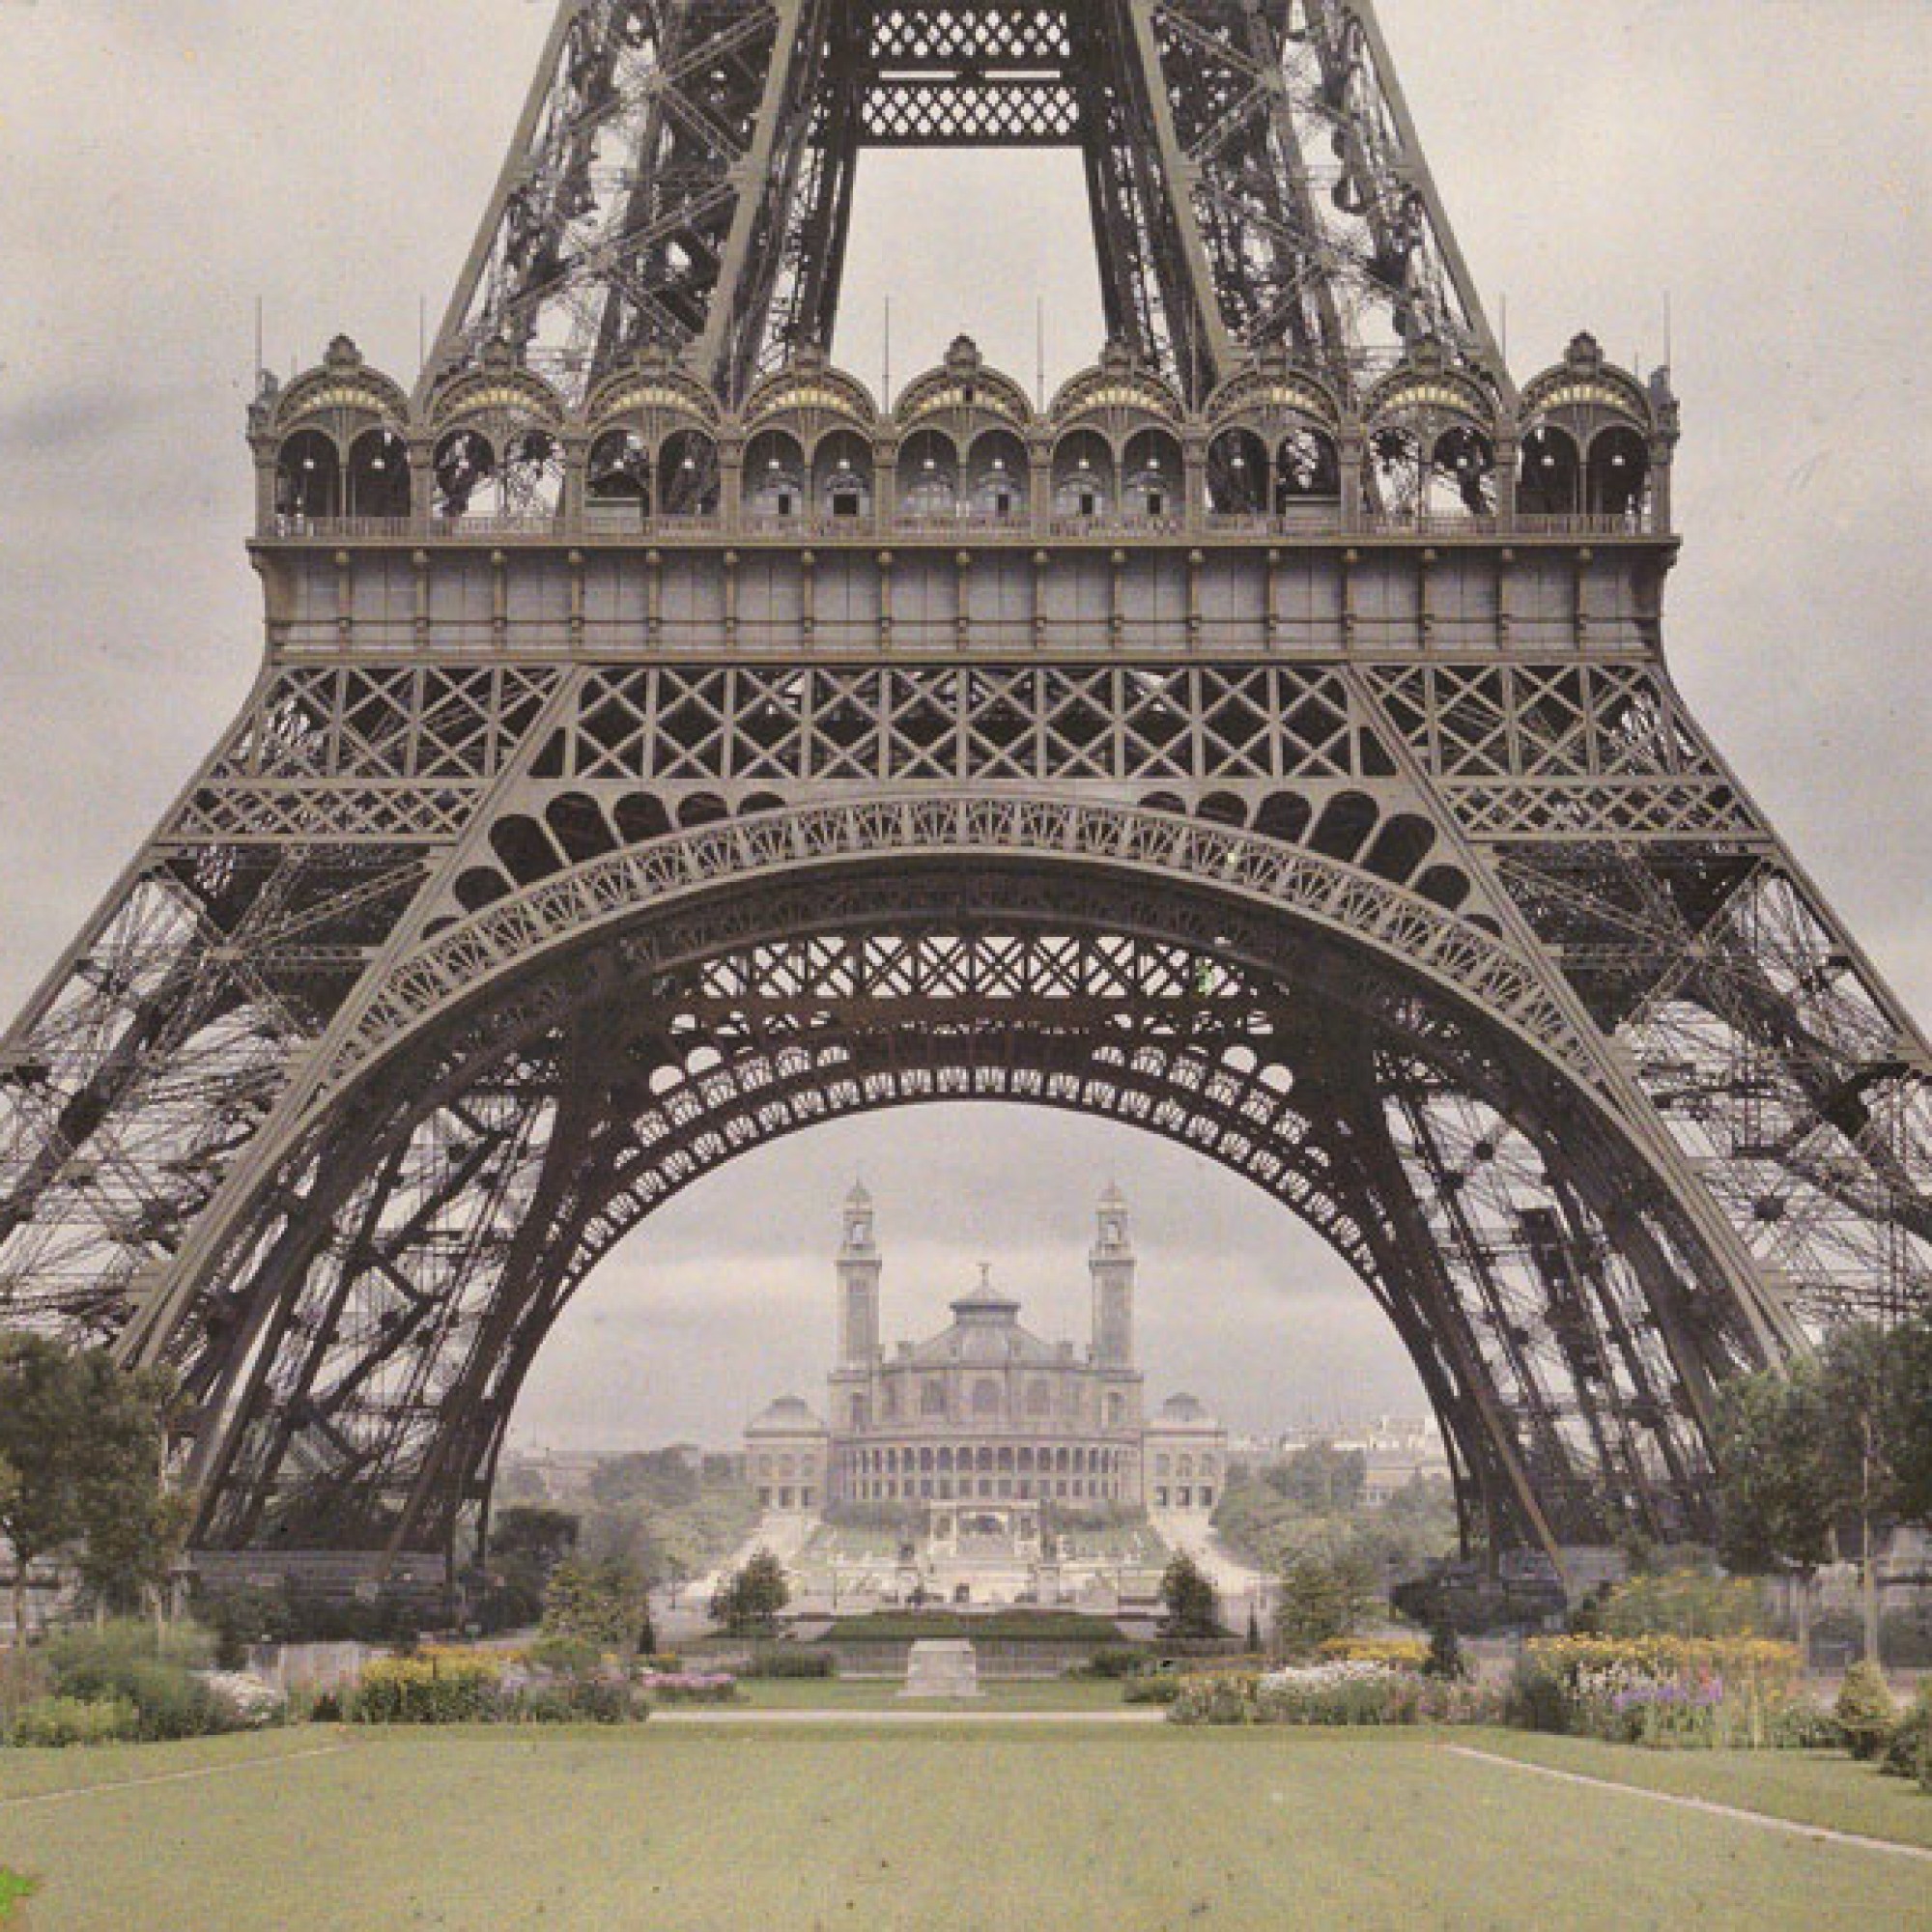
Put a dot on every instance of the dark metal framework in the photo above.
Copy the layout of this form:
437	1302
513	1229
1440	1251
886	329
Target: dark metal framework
683	178
663	745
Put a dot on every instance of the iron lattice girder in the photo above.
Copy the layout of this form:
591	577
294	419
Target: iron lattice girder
682	177
1111	1022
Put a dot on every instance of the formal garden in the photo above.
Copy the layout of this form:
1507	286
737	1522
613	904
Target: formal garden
1348	1761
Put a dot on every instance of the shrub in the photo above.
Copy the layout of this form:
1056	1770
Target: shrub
1865	1711
774	1660
564	1656
1802	1724
1115	1660
448	1687
245	1616
578	1700
1681	1603
662	1659
252	1705
24	1680
1908	1751
1154	1687
51	1723
1222	1698
1445	1660
153	1671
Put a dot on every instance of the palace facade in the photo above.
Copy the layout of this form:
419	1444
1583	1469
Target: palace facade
986	1410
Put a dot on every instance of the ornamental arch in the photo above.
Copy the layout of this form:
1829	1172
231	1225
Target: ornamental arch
1364	1056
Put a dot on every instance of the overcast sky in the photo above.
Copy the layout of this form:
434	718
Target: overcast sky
1762	160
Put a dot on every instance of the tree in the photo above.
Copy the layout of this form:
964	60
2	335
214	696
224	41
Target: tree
1859	1377
1322	1477
1911	1422
1775	1489
1189	1599
1317	1604
85	1447
1445	1657
527	1541
597	1601
749	1599
133	1525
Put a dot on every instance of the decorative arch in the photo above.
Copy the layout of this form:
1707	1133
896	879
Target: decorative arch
929	474
308	476
637	1019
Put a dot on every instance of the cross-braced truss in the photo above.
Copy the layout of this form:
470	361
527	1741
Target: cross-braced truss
524	1139
683	178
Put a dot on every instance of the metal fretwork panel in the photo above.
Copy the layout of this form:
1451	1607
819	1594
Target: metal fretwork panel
663	746
683	178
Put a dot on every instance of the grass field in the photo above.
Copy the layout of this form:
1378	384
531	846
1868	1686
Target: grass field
1056	1829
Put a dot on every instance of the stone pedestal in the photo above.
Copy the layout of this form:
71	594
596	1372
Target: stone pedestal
942	1668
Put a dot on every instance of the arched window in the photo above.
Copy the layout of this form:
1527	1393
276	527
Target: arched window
1117	1409
308	476
1618	472
1461	474
933	1397
617	480
465	470
841	475
997	478
1307	469
1083	477
1237	474
928	476
1150	485
1039	1396
1551	473
378	474
1392	479
985	1398
532	474
774	475
687	475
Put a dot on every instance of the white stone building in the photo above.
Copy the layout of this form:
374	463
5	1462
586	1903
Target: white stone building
985	1411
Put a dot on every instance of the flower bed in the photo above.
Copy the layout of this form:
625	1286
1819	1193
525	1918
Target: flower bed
1664	1692
468	1687
1343	1690
691	1687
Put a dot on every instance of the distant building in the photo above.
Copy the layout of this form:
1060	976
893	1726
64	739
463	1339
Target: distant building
985	1411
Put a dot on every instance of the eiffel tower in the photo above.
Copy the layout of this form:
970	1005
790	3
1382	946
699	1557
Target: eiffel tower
663	744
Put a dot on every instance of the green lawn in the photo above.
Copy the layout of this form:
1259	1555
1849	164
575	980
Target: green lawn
1056	1830
1809	1788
